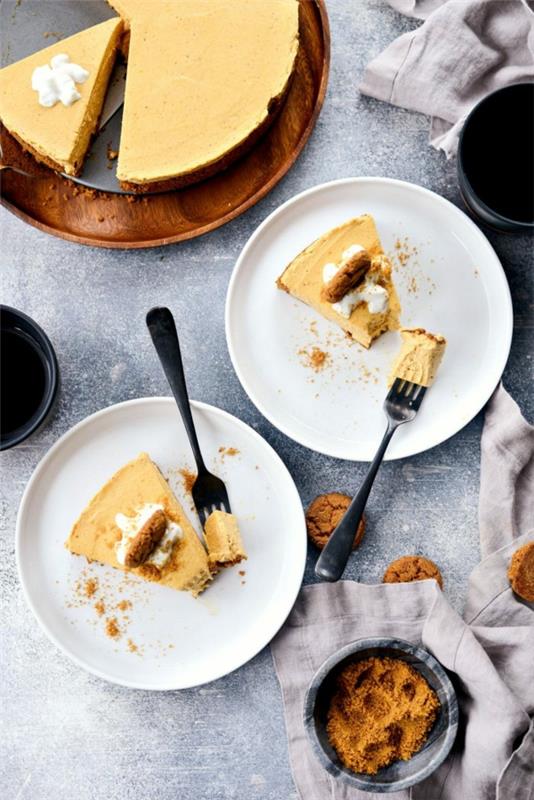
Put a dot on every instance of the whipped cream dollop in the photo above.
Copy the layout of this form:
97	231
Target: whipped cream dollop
130	527
369	291
57	82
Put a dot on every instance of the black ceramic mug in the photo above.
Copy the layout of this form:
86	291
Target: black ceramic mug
496	159
29	377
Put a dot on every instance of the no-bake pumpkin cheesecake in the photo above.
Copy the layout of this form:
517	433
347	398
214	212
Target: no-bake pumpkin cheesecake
51	101
223	540
204	79
135	523
419	358
346	277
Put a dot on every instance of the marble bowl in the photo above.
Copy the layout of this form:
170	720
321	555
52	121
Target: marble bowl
401	774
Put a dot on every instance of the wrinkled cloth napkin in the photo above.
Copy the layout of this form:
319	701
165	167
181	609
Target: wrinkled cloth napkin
464	50
490	651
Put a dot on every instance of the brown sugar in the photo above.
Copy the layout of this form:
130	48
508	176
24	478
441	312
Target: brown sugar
112	628
188	479
132	647
382	711
124	605
90	587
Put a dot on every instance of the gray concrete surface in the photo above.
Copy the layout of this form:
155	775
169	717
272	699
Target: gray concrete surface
69	736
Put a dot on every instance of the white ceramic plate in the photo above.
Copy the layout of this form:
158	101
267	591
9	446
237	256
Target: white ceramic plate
451	282
180	641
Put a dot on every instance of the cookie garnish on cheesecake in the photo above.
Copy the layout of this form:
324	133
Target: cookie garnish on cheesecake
135	523
346	276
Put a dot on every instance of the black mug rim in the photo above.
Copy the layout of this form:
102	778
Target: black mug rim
518	224
52	377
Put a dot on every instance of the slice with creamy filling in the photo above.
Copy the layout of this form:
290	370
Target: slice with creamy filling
51	101
346	277
419	358
135	523
223	540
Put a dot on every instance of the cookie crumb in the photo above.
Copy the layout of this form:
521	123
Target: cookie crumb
228	451
188	479
382	710
112	628
315	358
100	608
90	587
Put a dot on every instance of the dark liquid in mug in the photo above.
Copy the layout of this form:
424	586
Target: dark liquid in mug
23	380
498	153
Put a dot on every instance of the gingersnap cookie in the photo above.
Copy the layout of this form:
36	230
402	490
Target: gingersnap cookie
412	568
323	516
521	572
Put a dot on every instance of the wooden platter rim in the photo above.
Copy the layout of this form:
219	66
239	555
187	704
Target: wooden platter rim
283	169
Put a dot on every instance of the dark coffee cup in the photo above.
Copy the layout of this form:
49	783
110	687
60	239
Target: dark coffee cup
496	159
29	377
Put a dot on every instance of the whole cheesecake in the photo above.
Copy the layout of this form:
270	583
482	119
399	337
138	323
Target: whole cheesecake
204	79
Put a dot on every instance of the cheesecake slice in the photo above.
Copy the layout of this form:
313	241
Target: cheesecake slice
223	540
346	277
135	523
204	79
419	358
59	134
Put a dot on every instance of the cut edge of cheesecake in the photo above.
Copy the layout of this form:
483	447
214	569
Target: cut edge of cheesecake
223	540
419	358
95	533
386	321
111	32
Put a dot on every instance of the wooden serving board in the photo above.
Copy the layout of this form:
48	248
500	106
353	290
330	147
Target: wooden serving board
60	207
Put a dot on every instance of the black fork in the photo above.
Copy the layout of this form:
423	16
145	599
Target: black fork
401	405
209	492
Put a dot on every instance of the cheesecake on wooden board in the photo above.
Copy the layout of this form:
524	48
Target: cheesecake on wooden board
59	133
204	79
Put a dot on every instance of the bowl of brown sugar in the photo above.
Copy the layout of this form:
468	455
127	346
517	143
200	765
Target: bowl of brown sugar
381	714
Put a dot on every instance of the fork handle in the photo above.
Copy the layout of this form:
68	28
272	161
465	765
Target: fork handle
162	329
333	560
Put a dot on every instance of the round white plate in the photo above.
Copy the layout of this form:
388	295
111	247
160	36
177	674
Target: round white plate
180	641
451	283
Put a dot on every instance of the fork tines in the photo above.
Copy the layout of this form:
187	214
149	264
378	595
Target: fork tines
407	393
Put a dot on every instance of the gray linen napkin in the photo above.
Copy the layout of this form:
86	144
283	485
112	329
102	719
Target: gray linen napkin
490	650
464	50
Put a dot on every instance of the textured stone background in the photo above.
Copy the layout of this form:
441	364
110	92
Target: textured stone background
69	735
